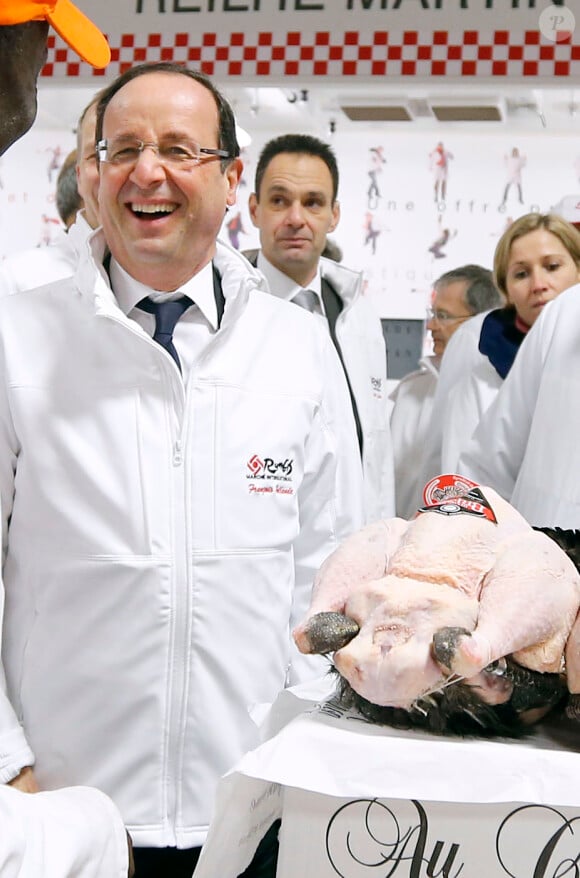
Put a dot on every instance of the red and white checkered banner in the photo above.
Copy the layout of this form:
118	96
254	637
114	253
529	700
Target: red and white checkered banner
275	56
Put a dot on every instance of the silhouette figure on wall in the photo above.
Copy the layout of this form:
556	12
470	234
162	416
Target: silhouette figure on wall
55	161
439	159
371	232
514	163
377	161
440	242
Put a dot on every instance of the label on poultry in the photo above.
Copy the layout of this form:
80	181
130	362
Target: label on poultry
445	486
454	495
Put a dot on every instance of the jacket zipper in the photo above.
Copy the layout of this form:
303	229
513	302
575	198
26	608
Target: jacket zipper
180	633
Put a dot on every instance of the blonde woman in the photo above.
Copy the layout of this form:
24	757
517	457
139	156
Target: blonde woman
526	445
536	259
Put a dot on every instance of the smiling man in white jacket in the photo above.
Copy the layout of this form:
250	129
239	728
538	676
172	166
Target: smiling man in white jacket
165	508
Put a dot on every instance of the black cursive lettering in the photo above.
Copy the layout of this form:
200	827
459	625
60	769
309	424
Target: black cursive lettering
545	855
369	833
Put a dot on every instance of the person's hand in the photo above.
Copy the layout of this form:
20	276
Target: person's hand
131	870
25	781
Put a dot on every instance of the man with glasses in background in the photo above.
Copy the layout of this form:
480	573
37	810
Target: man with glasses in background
180	479
457	295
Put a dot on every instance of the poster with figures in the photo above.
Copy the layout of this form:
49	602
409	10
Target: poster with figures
414	206
443	203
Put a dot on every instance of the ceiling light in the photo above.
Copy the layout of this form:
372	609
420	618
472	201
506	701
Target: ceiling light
467	111
378	113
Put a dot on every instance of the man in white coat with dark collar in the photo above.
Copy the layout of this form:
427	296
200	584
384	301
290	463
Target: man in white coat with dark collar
294	205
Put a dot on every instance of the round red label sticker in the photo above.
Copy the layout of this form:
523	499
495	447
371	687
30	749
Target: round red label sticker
452	495
444	487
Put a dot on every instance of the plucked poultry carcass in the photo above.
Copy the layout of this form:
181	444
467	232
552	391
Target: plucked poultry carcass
462	619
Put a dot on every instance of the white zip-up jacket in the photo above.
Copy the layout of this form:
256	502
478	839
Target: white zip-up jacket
69	833
159	540
526	445
362	344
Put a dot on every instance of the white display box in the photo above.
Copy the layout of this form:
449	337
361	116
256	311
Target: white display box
364	801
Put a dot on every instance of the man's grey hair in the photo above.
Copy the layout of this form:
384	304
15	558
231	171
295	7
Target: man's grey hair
481	293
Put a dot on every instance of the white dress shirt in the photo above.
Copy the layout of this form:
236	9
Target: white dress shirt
193	330
284	287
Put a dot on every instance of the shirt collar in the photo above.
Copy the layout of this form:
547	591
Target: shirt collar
283	286
199	288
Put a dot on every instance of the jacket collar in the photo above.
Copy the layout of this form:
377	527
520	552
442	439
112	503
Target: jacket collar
346	282
430	364
238	277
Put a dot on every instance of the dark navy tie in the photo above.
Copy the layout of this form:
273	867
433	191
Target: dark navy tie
166	316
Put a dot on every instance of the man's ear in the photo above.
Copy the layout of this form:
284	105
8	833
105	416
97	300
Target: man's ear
335	216
232	175
253	208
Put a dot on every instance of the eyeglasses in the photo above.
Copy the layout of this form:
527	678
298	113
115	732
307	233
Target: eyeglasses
444	317
173	154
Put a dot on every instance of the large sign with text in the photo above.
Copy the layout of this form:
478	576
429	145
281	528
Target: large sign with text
360	838
255	40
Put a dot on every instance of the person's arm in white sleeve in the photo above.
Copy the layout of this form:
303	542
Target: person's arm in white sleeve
461	418
467	402
75	832
495	453
461	353
330	497
4	282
